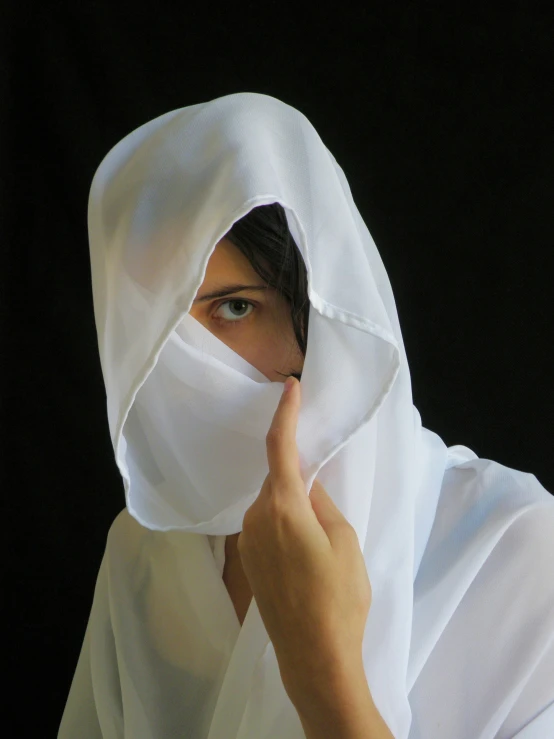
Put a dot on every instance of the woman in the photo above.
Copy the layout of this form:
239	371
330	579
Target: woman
408	595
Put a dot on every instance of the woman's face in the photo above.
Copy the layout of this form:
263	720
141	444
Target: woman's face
255	323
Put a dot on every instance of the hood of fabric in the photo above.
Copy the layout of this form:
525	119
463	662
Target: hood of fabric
160	201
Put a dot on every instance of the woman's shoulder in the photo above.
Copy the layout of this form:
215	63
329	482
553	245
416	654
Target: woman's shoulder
483	617
481	500
490	554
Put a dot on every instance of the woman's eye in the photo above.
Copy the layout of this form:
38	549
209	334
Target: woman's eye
236	313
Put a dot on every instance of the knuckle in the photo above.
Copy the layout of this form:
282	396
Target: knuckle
351	531
350	535
276	506
274	435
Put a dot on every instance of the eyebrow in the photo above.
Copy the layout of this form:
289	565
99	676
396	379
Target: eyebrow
228	290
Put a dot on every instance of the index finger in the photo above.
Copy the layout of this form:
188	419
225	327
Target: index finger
282	451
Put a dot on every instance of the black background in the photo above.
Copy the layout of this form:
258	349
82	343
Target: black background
438	115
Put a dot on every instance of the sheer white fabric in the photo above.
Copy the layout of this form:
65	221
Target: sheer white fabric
460	632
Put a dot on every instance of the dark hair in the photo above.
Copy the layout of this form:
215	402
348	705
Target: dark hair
263	237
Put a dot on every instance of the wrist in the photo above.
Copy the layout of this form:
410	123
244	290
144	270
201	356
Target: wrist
331	682
341	707
335	700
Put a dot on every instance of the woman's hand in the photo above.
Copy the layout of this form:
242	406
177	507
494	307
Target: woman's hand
304	565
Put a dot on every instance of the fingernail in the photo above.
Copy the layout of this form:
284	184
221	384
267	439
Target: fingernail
289	383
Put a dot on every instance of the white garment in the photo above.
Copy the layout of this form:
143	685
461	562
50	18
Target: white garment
459	640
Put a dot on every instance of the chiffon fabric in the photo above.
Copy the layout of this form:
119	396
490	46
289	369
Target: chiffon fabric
459	641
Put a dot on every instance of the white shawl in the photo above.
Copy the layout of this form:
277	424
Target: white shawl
459	637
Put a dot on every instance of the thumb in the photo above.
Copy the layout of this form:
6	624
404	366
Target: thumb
341	534
324	507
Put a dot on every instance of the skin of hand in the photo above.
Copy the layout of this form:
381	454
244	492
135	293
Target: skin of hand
305	567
